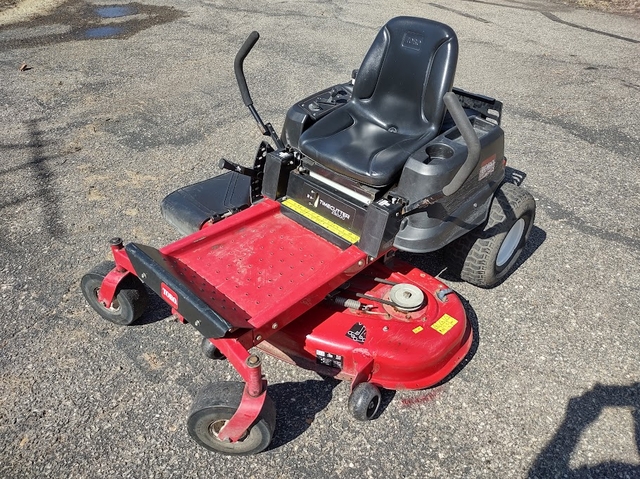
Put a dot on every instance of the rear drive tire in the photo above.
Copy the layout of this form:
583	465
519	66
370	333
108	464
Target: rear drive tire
484	256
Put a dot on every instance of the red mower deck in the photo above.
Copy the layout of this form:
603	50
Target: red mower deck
242	281
381	345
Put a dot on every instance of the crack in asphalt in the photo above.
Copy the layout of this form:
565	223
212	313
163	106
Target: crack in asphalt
558	212
458	12
552	17
609	138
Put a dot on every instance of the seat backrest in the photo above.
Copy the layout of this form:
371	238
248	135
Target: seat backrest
405	74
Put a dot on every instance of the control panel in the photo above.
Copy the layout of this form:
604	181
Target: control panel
323	102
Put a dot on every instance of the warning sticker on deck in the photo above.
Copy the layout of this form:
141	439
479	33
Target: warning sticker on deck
329	359
320	220
444	324
417	330
358	333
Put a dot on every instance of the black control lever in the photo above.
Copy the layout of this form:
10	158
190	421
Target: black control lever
231	166
265	128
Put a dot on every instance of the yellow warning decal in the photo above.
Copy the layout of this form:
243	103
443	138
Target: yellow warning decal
325	223
444	324
417	330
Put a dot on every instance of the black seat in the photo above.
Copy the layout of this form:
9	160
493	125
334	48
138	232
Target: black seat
396	106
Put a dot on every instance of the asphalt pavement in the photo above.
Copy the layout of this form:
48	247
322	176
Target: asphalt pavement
116	107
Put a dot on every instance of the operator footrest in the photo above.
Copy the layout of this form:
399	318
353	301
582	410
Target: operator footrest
256	269
188	208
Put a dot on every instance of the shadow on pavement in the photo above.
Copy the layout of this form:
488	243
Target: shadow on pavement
582	411
39	186
297	404
157	310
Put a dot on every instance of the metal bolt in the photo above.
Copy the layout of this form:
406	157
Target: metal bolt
143	276
386	328
360	263
274	326
197	323
253	361
115	241
258	338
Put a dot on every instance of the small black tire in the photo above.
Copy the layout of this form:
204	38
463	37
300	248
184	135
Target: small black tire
210	350
129	303
214	405
485	255
364	401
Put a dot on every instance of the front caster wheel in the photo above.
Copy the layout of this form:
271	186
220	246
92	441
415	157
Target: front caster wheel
210	351
129	303
214	405
364	401
484	256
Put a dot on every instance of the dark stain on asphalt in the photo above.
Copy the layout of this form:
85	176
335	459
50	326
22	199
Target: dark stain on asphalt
77	20
144	132
532	7
630	85
558	212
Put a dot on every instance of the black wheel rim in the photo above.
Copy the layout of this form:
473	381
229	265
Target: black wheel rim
372	407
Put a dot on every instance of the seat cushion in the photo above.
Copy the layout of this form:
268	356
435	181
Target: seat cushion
357	148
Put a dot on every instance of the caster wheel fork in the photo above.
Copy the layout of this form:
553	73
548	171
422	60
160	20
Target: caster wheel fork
129	303
213	408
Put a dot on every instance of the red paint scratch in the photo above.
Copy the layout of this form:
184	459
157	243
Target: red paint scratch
424	397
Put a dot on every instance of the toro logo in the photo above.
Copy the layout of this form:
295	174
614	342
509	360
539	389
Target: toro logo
169	295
